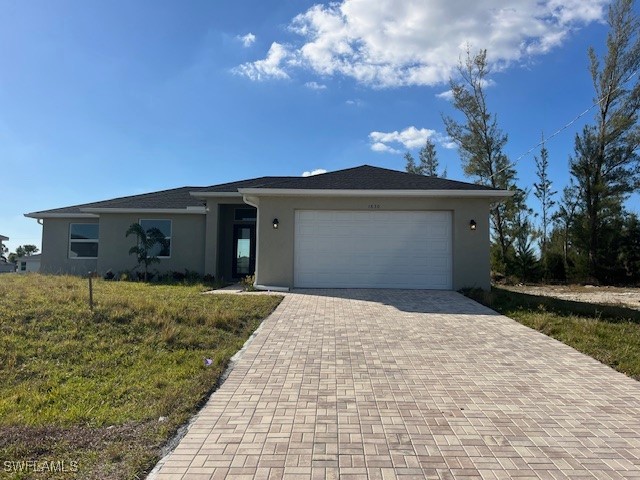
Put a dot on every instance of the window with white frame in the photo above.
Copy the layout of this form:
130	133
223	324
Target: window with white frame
83	240
160	251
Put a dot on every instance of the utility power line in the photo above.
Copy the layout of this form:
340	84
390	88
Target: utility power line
562	129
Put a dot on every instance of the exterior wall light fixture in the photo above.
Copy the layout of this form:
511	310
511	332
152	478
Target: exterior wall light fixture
472	225
276	223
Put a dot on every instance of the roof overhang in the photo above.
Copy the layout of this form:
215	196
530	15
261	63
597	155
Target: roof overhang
60	215
3	238
95	212
205	195
279	192
164	211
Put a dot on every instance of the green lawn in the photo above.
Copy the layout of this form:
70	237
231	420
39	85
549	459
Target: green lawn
610	334
103	390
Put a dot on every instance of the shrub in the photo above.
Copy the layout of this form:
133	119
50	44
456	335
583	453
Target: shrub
178	276
247	283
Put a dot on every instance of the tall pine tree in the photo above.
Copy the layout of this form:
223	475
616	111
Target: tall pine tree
429	159
480	142
411	166
606	163
544	193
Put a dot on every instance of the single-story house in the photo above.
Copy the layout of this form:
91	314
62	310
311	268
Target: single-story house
362	227
5	266
28	264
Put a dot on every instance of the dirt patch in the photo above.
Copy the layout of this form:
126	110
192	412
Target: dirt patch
625	297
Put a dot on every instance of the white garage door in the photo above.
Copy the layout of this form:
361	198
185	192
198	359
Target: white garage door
373	249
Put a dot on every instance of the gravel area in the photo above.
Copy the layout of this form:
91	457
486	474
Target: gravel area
627	297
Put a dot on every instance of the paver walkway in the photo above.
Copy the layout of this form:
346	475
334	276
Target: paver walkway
410	384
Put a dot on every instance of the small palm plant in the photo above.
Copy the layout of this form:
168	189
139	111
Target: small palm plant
147	241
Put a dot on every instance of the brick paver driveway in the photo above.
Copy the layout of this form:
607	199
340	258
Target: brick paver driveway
410	384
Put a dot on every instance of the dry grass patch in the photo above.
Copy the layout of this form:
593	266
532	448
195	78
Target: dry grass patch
91	386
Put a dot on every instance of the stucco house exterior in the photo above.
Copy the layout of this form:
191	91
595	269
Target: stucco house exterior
30	264
5	266
362	227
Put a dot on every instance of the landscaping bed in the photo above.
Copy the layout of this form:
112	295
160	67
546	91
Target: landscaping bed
97	393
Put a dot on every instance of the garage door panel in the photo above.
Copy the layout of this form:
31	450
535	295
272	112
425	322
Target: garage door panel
373	249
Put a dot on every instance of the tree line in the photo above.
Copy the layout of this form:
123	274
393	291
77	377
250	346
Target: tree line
583	233
21	251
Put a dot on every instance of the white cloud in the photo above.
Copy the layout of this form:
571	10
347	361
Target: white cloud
410	138
356	102
247	40
315	86
391	43
447	143
270	67
382	147
446	95
317	171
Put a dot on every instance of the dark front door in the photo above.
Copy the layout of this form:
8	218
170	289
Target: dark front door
244	250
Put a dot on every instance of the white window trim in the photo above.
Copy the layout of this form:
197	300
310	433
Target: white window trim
81	240
140	220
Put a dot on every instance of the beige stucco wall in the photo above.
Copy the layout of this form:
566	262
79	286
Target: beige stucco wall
187	242
55	248
470	248
195	238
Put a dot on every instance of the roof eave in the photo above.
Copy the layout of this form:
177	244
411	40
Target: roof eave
95	212
40	215
205	195
195	210
488	194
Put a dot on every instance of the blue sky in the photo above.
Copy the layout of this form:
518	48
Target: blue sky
105	99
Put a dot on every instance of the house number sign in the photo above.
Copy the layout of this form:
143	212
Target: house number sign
374	206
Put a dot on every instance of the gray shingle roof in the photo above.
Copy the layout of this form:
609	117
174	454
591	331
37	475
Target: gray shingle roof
261	182
174	198
367	177
364	177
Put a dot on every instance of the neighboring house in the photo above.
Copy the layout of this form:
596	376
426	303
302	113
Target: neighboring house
5	266
28	264
364	227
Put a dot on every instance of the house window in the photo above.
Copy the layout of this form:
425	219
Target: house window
83	240
23	266
165	227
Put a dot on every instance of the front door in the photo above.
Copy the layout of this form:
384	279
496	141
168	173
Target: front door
244	250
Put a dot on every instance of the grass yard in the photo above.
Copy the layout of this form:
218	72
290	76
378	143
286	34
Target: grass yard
99	393
610	334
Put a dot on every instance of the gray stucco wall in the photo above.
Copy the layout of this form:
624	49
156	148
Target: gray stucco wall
187	242
55	248
470	248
